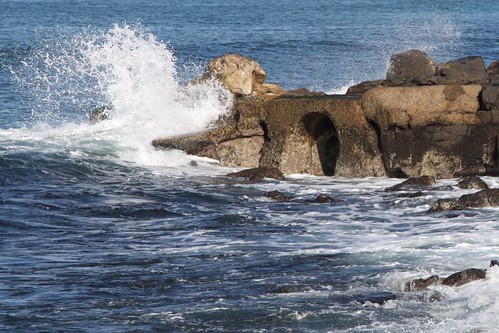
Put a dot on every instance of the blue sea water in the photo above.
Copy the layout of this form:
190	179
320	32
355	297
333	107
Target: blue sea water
101	233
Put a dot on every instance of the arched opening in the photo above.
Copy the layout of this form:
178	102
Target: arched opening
322	132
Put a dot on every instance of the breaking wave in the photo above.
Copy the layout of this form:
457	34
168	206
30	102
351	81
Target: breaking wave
127	69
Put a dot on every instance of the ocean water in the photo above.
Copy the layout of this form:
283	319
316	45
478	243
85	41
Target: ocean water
99	232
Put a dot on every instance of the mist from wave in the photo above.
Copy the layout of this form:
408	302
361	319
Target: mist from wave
126	69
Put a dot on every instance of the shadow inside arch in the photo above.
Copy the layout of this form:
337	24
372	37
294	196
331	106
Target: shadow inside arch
321	129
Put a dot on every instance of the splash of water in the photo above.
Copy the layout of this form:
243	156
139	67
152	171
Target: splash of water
129	69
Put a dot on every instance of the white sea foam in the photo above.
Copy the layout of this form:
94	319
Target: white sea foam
129	69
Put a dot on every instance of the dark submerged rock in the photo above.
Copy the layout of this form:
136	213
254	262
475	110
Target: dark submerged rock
413	183
472	182
276	195
445	205
411	195
258	174
376	298
324	198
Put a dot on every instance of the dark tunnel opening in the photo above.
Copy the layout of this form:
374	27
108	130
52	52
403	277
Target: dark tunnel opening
321	129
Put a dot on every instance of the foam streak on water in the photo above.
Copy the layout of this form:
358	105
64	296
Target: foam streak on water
100	232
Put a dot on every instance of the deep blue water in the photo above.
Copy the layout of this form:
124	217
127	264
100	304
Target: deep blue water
101	233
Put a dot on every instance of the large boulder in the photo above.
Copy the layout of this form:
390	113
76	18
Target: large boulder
403	107
241	75
469	70
413	183
413	67
481	199
454	280
472	183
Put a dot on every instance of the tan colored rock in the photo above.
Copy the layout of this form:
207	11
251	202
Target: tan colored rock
405	107
239	74
241	152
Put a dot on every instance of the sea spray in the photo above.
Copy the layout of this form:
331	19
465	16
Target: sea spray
128	69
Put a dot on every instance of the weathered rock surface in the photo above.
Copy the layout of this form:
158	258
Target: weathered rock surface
324	198
379	298
454	280
276	195
470	70
411	67
409	107
413	183
241	75
257	174
483	198
423	119
490	91
472	182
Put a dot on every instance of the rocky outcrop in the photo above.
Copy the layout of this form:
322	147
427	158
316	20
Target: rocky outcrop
412	67
454	280
472	183
440	120
481	199
470	70
324	198
413	183
241	75
276	195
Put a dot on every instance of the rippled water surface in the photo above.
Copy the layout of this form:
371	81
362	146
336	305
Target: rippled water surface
99	232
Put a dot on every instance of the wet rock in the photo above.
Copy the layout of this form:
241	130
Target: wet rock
376	298
257	174
100	114
413	183
276	195
411	195
324	198
472	182
469	70
454	280
445	205
466	276
483	198
420	284
442	129
412	67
